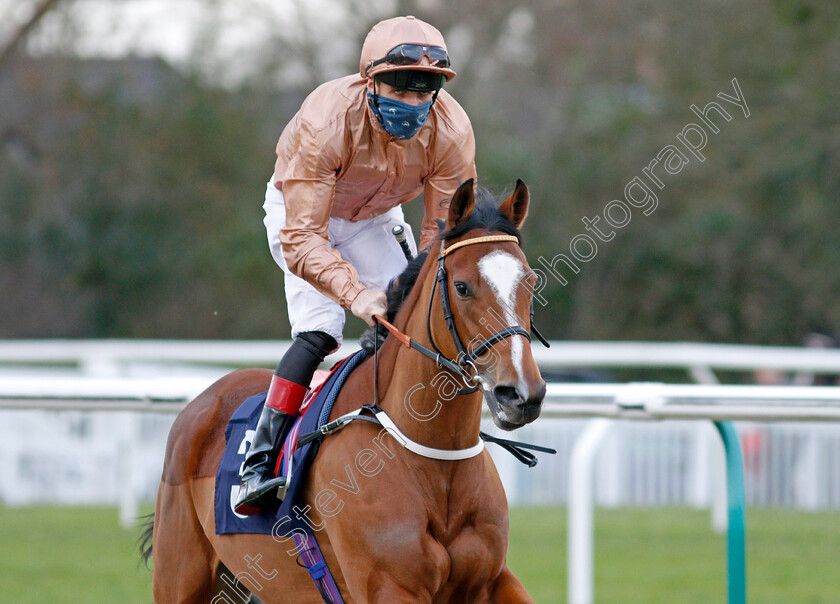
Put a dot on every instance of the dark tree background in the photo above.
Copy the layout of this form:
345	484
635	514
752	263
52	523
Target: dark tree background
131	190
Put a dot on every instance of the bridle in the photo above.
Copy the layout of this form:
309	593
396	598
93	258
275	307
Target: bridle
464	364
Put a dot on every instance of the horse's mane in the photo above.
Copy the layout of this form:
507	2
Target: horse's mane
400	287
485	216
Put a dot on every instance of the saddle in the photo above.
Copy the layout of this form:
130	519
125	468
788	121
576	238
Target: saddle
293	461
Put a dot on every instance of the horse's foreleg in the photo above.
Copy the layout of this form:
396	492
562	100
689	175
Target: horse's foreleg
391	593
508	590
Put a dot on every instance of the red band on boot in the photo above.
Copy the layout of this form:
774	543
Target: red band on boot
284	395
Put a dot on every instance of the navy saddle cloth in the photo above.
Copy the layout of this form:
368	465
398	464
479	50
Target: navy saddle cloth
294	462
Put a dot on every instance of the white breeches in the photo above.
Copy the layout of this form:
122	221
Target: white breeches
367	244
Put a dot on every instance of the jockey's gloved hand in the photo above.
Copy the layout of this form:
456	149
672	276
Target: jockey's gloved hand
373	338
369	302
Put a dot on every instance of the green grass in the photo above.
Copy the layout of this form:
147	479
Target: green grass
81	555
671	555
63	555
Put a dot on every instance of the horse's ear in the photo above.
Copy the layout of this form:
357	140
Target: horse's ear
515	207
462	205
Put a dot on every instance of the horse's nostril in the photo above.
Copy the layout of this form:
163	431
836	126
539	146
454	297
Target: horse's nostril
506	395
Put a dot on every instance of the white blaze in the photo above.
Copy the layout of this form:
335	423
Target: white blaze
503	272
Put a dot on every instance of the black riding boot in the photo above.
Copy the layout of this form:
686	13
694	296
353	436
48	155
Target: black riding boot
259	487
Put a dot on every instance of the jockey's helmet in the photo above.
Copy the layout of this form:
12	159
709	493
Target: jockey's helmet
406	44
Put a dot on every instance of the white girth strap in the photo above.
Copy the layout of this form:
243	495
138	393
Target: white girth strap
415	447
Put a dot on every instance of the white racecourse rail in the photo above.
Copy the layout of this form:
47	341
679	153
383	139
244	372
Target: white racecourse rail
96	356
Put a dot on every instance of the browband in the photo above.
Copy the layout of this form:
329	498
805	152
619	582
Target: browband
484	239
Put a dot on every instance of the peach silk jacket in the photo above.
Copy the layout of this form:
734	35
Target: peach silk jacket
334	159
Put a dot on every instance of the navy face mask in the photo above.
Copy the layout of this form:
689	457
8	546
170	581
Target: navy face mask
400	120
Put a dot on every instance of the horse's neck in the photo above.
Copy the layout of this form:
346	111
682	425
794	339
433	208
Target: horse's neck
418	395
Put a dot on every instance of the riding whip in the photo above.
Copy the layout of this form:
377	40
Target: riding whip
399	234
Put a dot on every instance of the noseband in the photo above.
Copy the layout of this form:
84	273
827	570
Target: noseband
464	364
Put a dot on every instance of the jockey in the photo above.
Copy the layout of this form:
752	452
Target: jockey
358	148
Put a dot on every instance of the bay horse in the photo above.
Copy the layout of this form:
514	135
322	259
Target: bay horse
393	525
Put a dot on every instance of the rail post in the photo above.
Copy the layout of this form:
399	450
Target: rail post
736	567
581	552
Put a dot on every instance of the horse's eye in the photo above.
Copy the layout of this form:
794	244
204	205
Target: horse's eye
462	289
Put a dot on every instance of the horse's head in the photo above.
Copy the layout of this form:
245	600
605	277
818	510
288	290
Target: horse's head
489	287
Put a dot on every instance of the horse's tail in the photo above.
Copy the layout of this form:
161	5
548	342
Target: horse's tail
144	542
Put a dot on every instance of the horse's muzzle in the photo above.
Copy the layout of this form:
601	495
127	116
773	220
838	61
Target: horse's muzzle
516	410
